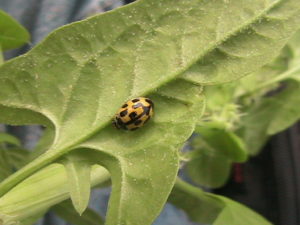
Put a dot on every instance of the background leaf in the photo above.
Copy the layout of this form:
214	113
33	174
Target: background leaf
236	214
214	149
271	115
12	35
12	156
9	139
199	207
208	168
31	220
66	211
220	210
224	142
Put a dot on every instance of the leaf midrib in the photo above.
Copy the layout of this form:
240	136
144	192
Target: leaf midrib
168	79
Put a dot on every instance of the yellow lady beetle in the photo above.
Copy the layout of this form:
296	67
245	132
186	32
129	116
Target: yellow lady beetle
134	114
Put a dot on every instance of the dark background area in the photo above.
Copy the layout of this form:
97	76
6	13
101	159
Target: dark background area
270	182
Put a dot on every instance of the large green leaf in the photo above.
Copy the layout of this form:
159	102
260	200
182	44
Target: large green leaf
140	162
256	85
12	34
145	161
82	73
257	41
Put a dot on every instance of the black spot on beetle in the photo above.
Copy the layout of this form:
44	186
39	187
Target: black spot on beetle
149	101
124	106
135	100
119	122
138	122
124	113
132	115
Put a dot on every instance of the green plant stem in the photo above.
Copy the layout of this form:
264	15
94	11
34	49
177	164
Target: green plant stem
38	196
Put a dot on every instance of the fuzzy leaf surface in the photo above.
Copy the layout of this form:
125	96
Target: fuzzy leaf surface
80	75
79	173
256	43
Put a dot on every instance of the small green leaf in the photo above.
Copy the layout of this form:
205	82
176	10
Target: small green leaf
224	142
204	207
12	34
79	172
9	139
285	112
66	211
235	213
209	169
200	207
271	115
214	151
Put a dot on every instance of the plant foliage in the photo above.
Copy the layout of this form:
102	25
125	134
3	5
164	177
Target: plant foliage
77	78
